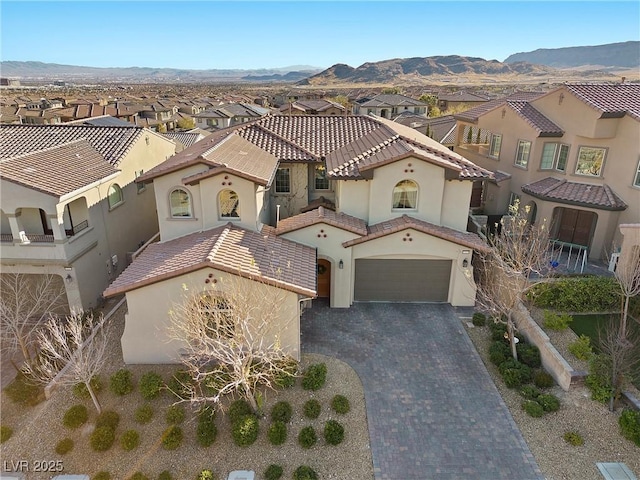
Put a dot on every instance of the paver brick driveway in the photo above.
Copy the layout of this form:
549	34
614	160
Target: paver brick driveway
433	411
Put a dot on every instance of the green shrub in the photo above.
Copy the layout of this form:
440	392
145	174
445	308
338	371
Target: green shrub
165	475
333	432
542	379
314	376
498	330
304	472
573	438
102	438
312	408
598	380
80	390
286	377
581	348
629	422
340	404
245	430
144	413
130	440
281	412
533	408
175	414
277	433
205	475
585	294
549	403
529	354
479	319
172	437
75	417
499	352
180	384
307	437
5	433
514	373
108	418
530	392
273	472
553	321
239	409
138	476
206	430
64	446
24	393
150	385
121	382
102	476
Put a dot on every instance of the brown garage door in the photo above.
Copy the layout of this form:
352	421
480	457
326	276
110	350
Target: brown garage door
402	280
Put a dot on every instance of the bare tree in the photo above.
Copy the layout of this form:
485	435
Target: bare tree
232	341
25	301
517	251
72	350
627	275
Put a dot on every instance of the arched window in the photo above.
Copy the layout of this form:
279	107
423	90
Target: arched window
405	195
180	202
115	196
228	204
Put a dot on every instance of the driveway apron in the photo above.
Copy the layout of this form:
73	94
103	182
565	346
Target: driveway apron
432	408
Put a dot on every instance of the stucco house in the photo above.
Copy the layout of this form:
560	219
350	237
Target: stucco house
388	105
356	209
69	203
571	154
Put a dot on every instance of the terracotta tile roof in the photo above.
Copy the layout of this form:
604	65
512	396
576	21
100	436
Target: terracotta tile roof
462	96
57	170
259	256
322	215
113	143
544	126
405	222
474	113
589	195
612	100
319	202
185	138
311	105
500	176
392	100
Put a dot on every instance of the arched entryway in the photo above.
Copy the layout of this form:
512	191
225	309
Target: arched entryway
324	278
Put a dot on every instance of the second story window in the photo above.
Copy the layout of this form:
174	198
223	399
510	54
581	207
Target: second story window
590	161
636	179
522	154
228	204
405	195
180	202
494	146
554	156
115	196
283	180
321	180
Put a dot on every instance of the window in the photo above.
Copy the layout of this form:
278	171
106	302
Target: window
180	202
283	181
522	154
590	161
141	186
554	156
636	180
228	203
514	202
115	196
494	146
217	316
321	180
405	195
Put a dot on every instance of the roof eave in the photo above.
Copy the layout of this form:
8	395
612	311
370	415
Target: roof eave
573	202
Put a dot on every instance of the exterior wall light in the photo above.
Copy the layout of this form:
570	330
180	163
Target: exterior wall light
340	264
465	263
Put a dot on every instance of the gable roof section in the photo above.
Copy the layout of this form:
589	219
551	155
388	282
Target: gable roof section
322	215
264	258
611	100
544	126
405	222
185	138
392	100
58	170
474	113
584	194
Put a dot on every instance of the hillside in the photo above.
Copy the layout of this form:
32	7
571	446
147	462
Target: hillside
622	55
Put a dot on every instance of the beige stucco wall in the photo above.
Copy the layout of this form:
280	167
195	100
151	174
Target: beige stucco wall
211	187
352	198
146	337
291	203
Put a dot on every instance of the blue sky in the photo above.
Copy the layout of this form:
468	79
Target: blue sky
267	34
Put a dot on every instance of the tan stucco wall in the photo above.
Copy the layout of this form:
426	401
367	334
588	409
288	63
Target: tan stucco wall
245	189
291	203
352	198
146	339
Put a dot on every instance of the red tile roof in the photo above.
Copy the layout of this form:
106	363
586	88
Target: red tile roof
544	126
589	195
322	215
611	99
474	113
259	256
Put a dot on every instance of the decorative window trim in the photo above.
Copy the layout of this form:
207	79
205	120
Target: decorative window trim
495	144
320	175
228	208
405	192
116	188
174	209
604	150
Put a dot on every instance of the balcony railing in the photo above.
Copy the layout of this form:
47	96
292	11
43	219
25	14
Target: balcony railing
33	238
6	237
77	228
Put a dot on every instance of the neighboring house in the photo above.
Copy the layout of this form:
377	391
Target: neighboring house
389	223
229	115
441	129
70	206
451	101
185	139
389	105
313	107
570	154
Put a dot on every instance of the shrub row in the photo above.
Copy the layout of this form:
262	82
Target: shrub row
585	294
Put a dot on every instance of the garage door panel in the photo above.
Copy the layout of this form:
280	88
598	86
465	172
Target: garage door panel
392	280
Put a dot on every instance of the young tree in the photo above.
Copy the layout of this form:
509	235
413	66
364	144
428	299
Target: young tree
627	275
186	123
72	349
232	341
25	301
518	250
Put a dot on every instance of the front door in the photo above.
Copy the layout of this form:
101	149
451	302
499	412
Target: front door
576	226
324	278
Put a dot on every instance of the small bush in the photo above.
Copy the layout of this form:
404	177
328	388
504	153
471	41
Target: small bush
165	475
304	472
340	404
175	414
205	475
130	440
581	348
144	414
102	476
245	430
172	437
286	378
108	418
529	354
150	385
239	409
277	433
102	439
550	403
499	352
498	330
5	433
75	417
273	472
533	408
479	319
206	430
598	380
80	389
553	321
138	476
573	438
314	376
180	383
585	294
24	393
530	392
312	408
121	382
307	437
629	422
64	446
542	379
333	432
514	373
281	412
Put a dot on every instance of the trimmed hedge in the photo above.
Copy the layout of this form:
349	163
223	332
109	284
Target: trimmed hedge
304	472
312	408
130	440
239	409
121	382
172	437
314	376
307	437
281	412
144	414
629	422
108	418
333	432
150	385
75	417
175	414
102	438
64	446
584	294
340	404
277	433
273	472
245	430
533	408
